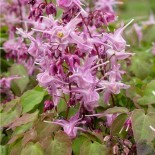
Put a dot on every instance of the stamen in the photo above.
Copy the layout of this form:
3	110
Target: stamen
127	25
152	128
121	130
99	65
60	34
94	115
100	88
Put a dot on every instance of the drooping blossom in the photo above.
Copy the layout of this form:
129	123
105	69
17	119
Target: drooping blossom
116	40
48	105
70	126
110	118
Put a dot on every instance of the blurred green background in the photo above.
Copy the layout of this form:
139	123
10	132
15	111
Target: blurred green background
136	8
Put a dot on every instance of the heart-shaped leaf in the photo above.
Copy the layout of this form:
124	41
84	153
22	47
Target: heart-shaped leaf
141	124
95	148
19	85
149	94
32	98
61	145
32	149
118	124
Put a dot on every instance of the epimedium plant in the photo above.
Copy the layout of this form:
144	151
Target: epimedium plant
88	97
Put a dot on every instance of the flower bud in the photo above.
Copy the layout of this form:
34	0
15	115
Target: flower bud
51	9
48	105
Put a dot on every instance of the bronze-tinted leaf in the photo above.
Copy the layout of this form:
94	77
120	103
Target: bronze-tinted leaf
61	145
93	148
26	118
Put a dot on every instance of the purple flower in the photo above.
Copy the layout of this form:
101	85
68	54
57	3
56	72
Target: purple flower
6	82
48	105
64	3
70	126
88	96
75	56
83	75
150	22
106	5
32	2
117	55
67	4
51	9
110	119
71	60
116	40
138	30
115	72
111	86
36	14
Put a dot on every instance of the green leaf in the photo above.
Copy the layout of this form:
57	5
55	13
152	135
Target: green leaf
61	145
118	124
3	150
10	105
141	123
27	136
73	110
19	85
92	136
89	148
148	95
8	117
32	149
115	110
22	128
77	143
61	106
4	64
137	61
145	149
26	118
45	129
32	98
149	33
15	148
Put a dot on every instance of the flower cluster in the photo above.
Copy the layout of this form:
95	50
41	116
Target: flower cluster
14	14
77	55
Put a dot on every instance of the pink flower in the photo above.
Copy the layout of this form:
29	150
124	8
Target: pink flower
117	55
6	82
116	40
138	30
107	5
151	21
88	96
66	4
51	9
110	119
111	87
48	105
116	73
70	126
